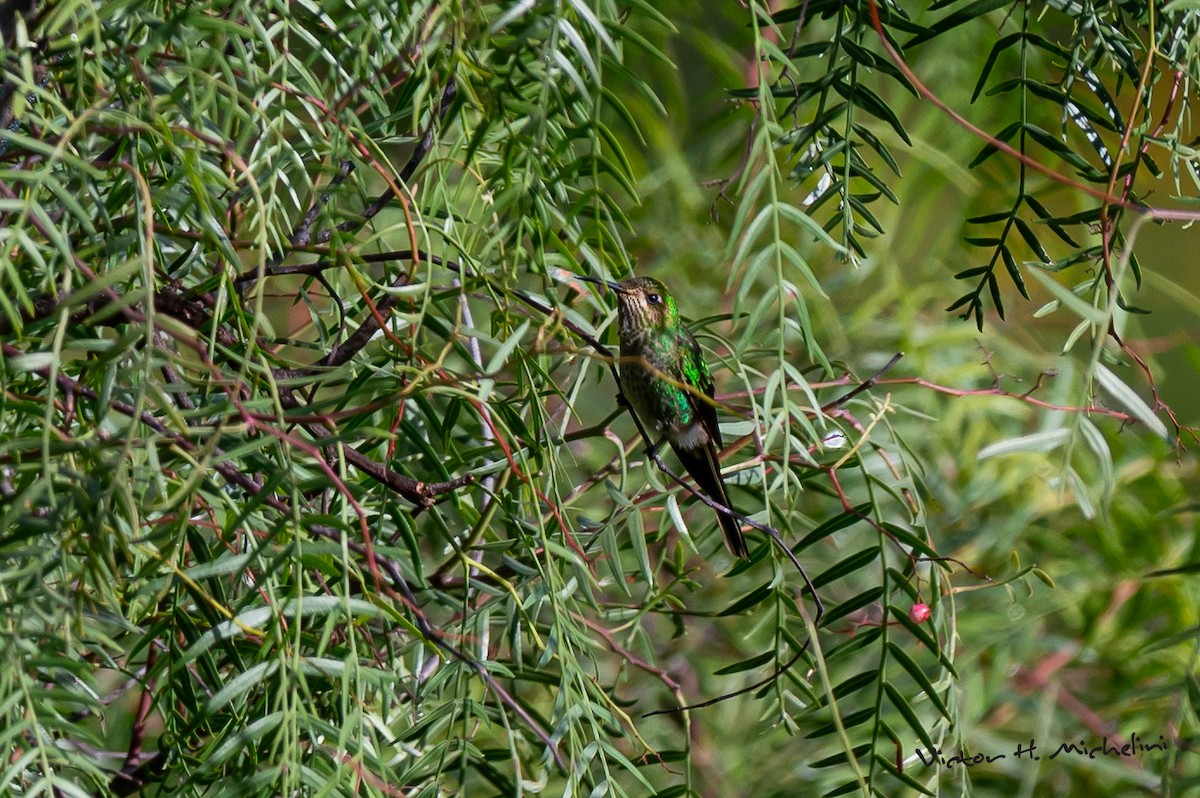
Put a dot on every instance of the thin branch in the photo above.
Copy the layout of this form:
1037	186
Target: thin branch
763	682
423	148
863	386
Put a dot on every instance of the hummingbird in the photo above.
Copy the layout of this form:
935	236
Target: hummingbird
668	385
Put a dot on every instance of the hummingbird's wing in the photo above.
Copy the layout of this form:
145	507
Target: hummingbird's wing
696	373
701	460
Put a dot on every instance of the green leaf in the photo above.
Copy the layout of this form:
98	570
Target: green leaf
1129	399
748	601
831	525
747	664
918	675
910	716
851	605
1067	298
847	565
949	22
1046	441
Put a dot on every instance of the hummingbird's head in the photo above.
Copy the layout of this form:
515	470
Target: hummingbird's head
644	303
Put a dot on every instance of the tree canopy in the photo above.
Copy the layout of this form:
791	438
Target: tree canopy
313	474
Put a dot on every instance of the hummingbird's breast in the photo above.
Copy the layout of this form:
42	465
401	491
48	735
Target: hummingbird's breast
653	382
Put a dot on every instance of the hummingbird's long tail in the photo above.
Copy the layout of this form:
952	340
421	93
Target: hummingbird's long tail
701	463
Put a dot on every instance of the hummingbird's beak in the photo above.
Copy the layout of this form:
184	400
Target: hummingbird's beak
612	286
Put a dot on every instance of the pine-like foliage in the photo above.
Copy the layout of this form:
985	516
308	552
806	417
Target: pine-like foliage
312	475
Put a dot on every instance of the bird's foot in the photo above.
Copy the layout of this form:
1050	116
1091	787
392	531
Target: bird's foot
652	451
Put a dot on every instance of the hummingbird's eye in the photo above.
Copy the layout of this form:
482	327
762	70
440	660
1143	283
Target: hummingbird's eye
653	299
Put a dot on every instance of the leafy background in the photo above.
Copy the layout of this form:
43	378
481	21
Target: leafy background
311	481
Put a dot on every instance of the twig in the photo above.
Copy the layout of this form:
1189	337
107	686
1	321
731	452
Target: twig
419	493
742	691
414	160
862	386
651	448
438	639
302	235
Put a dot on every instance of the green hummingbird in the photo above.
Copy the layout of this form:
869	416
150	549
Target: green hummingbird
669	387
